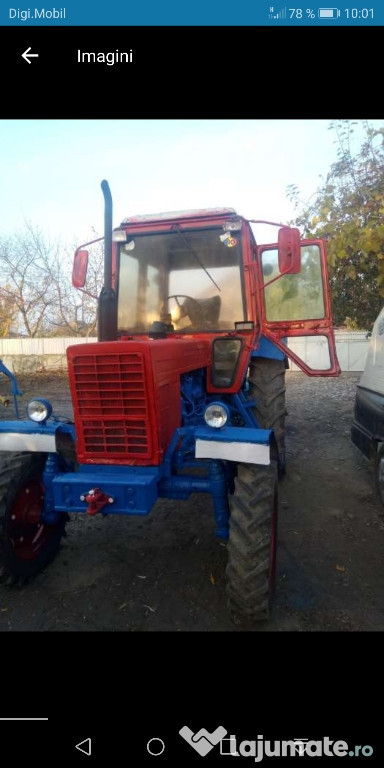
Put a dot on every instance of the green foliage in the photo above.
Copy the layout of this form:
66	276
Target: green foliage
348	211
295	297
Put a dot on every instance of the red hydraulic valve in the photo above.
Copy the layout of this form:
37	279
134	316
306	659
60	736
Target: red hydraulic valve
96	500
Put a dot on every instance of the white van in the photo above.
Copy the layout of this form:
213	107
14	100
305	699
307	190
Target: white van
368	426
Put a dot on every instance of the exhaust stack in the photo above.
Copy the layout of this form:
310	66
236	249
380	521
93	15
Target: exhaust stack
107	306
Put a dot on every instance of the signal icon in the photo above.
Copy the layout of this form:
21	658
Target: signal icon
279	15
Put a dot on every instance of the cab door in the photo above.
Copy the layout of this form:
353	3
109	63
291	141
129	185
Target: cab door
295	308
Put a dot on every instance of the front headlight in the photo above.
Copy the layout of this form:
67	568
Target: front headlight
39	410
216	415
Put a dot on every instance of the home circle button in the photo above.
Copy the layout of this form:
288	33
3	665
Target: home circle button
155	747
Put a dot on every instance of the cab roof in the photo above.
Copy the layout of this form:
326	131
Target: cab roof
198	213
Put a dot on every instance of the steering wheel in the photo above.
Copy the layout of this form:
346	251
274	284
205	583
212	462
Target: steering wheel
176	296
190	307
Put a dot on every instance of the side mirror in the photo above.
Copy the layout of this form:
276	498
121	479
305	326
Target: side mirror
79	271
289	250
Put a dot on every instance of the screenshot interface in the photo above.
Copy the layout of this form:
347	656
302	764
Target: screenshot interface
191	266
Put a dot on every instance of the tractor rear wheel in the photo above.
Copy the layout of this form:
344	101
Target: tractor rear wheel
267	386
27	545
252	541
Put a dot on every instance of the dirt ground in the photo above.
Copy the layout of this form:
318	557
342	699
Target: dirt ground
167	571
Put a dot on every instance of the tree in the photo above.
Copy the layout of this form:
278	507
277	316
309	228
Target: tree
348	211
37	296
23	267
7	311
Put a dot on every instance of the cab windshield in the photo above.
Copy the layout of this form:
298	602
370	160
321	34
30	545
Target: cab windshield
189	280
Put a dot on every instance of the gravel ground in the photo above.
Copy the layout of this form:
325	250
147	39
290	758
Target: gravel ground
167	571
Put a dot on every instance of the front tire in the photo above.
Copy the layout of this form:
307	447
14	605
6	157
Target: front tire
28	545
252	541
267	387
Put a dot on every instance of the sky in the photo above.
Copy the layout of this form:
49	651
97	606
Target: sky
51	169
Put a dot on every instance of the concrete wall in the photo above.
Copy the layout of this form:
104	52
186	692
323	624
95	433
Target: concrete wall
30	355
351	348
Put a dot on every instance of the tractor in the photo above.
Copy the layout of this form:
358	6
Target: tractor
183	392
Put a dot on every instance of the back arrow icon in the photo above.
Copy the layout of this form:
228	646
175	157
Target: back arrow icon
26	55
84	746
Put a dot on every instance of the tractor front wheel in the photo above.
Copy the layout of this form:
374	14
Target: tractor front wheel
267	386
252	541
28	544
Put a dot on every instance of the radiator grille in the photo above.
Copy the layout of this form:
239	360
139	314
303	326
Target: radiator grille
112	405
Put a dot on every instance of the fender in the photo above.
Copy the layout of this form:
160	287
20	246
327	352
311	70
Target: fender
267	349
32	436
241	444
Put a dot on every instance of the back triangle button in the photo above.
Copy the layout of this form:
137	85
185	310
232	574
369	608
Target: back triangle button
84	746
